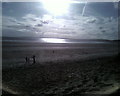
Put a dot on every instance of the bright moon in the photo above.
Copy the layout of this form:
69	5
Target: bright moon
56	7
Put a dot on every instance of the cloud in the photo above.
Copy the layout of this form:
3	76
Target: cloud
100	27
8	21
18	26
80	27
91	20
38	25
30	17
103	31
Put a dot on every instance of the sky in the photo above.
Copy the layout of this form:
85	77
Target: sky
97	20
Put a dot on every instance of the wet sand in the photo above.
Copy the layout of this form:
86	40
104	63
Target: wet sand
14	53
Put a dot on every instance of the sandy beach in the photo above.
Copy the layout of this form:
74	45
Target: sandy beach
61	69
60	47
14	53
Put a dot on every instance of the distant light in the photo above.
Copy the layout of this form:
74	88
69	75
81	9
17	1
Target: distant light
53	40
56	7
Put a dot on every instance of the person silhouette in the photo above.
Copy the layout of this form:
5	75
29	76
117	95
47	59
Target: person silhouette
34	60
26	59
53	51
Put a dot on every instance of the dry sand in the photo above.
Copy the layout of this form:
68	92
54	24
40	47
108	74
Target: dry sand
97	76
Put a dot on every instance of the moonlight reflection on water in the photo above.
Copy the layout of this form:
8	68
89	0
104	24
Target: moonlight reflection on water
53	40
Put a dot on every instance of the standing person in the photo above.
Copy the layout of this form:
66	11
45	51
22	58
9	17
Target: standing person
53	51
34	60
26	59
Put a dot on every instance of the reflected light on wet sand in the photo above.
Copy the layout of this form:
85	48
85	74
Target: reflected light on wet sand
53	40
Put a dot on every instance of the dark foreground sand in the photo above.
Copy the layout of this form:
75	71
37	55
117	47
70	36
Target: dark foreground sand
95	76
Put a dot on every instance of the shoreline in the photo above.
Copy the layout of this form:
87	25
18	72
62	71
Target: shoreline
66	59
